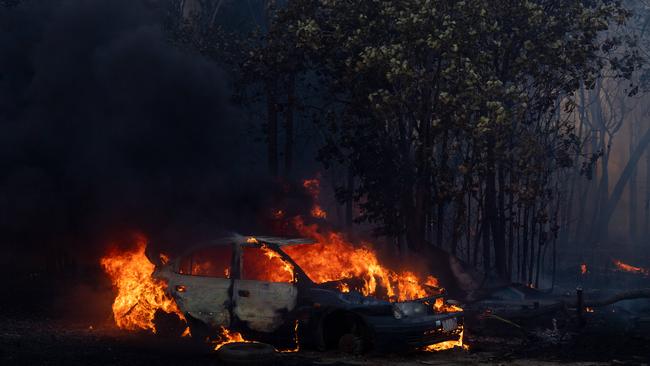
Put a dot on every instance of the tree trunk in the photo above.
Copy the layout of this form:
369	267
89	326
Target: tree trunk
633	190
485	231
486	245
288	126
191	12
500	232
458	225
493	217
541	242
468	226
617	192
441	203
533	226
349	215
272	128
478	233
524	243
603	186
578	236
511	230
646	222
215	12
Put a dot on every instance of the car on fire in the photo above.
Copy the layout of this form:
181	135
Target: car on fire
244	284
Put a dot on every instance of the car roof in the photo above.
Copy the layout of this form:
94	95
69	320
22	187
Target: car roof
279	241
246	241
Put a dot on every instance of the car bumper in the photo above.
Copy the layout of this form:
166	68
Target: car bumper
415	332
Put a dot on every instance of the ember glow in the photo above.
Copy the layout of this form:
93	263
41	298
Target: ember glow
332	258
442	346
583	268
139	295
630	268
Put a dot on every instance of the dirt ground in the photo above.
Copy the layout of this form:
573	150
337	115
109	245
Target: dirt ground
50	342
34	332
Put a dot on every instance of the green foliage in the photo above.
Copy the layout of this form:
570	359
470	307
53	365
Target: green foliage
435	103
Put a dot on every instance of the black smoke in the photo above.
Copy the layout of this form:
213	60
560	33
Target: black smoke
106	127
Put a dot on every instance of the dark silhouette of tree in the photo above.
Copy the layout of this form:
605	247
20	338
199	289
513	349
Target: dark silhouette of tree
452	115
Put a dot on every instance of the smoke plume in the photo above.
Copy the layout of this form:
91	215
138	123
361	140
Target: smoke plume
107	127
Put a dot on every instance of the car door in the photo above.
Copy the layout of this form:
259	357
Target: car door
202	283
265	290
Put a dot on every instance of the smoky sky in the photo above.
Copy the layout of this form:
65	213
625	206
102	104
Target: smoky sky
108	127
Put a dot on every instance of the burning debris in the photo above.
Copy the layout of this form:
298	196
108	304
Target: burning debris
624	267
226	337
443	346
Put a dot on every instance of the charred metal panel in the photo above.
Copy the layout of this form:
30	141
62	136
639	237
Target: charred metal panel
204	298
263	305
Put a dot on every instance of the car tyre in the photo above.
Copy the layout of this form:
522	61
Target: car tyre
351	344
247	353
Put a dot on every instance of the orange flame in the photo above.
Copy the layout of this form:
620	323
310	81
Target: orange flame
313	187
442	346
583	268
332	258
139	295
295	339
318	212
226	336
287	274
630	268
343	287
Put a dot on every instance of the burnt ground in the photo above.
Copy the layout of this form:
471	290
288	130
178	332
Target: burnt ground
40	326
44	341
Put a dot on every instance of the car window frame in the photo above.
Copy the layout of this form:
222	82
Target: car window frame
233	253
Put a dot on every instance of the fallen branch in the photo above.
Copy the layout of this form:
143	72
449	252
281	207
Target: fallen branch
627	295
563	305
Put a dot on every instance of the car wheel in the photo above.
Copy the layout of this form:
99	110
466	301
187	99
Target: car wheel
246	353
351	344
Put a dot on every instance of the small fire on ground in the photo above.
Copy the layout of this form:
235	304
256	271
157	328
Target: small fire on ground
630	268
226	336
442	346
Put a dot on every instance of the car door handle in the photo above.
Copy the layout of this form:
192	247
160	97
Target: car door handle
244	293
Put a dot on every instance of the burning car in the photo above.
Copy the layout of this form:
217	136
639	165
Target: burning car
253	285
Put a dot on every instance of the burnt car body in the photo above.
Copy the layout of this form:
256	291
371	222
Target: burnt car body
221	284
